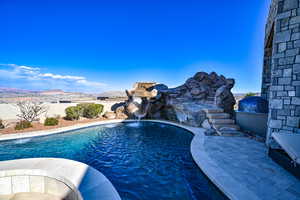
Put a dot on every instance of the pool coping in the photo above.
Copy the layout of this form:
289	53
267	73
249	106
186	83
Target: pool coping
230	188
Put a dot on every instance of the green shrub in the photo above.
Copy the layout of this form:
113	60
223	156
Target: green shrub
91	110
73	113
250	94
88	110
1	124
22	125
82	107
51	121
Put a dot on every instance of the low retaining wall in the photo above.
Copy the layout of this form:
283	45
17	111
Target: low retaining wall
254	122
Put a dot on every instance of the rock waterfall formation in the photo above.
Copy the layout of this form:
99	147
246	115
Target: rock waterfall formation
185	104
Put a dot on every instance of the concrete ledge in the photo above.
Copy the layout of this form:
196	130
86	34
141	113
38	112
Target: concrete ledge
61	175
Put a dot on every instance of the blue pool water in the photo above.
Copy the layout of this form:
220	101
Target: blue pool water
143	160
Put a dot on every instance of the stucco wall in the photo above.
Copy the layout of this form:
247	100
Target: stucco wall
10	111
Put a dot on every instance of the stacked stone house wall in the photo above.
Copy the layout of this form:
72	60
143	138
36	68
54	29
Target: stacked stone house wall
281	70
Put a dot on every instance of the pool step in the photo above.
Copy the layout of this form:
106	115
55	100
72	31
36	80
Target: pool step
209	102
211	98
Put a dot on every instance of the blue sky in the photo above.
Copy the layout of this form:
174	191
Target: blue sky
95	46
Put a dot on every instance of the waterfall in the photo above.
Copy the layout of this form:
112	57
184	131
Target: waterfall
181	116
143	105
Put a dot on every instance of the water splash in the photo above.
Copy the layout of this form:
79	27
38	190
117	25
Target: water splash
134	124
137	100
143	106
140	115
181	116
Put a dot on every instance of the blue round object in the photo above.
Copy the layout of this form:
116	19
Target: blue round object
254	104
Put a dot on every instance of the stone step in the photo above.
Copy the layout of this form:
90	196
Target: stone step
222	121
231	133
214	110
226	127
209	102
218	116
211	98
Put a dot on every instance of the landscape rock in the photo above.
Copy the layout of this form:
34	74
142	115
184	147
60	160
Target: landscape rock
224	97
205	124
210	132
120	112
122	116
110	115
185	103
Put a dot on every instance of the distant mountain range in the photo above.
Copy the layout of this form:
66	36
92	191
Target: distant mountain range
22	91
15	90
58	92
52	92
112	94
109	94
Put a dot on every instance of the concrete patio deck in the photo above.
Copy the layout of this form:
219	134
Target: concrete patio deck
241	168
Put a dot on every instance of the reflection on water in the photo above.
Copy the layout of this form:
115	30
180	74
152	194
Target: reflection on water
21	141
112	125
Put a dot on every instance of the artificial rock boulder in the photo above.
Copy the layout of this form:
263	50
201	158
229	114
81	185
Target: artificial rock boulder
110	115
224	97
184	104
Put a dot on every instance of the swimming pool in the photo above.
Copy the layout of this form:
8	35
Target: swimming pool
143	160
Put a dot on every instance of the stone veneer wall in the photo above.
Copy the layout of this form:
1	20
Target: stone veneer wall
282	89
266	76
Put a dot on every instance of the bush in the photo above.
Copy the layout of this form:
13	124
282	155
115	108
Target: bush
73	113
51	121
30	110
1	124
250	94
91	110
22	125
82	107
88	110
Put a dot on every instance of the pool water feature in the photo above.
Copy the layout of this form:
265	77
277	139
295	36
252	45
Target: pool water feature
143	160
